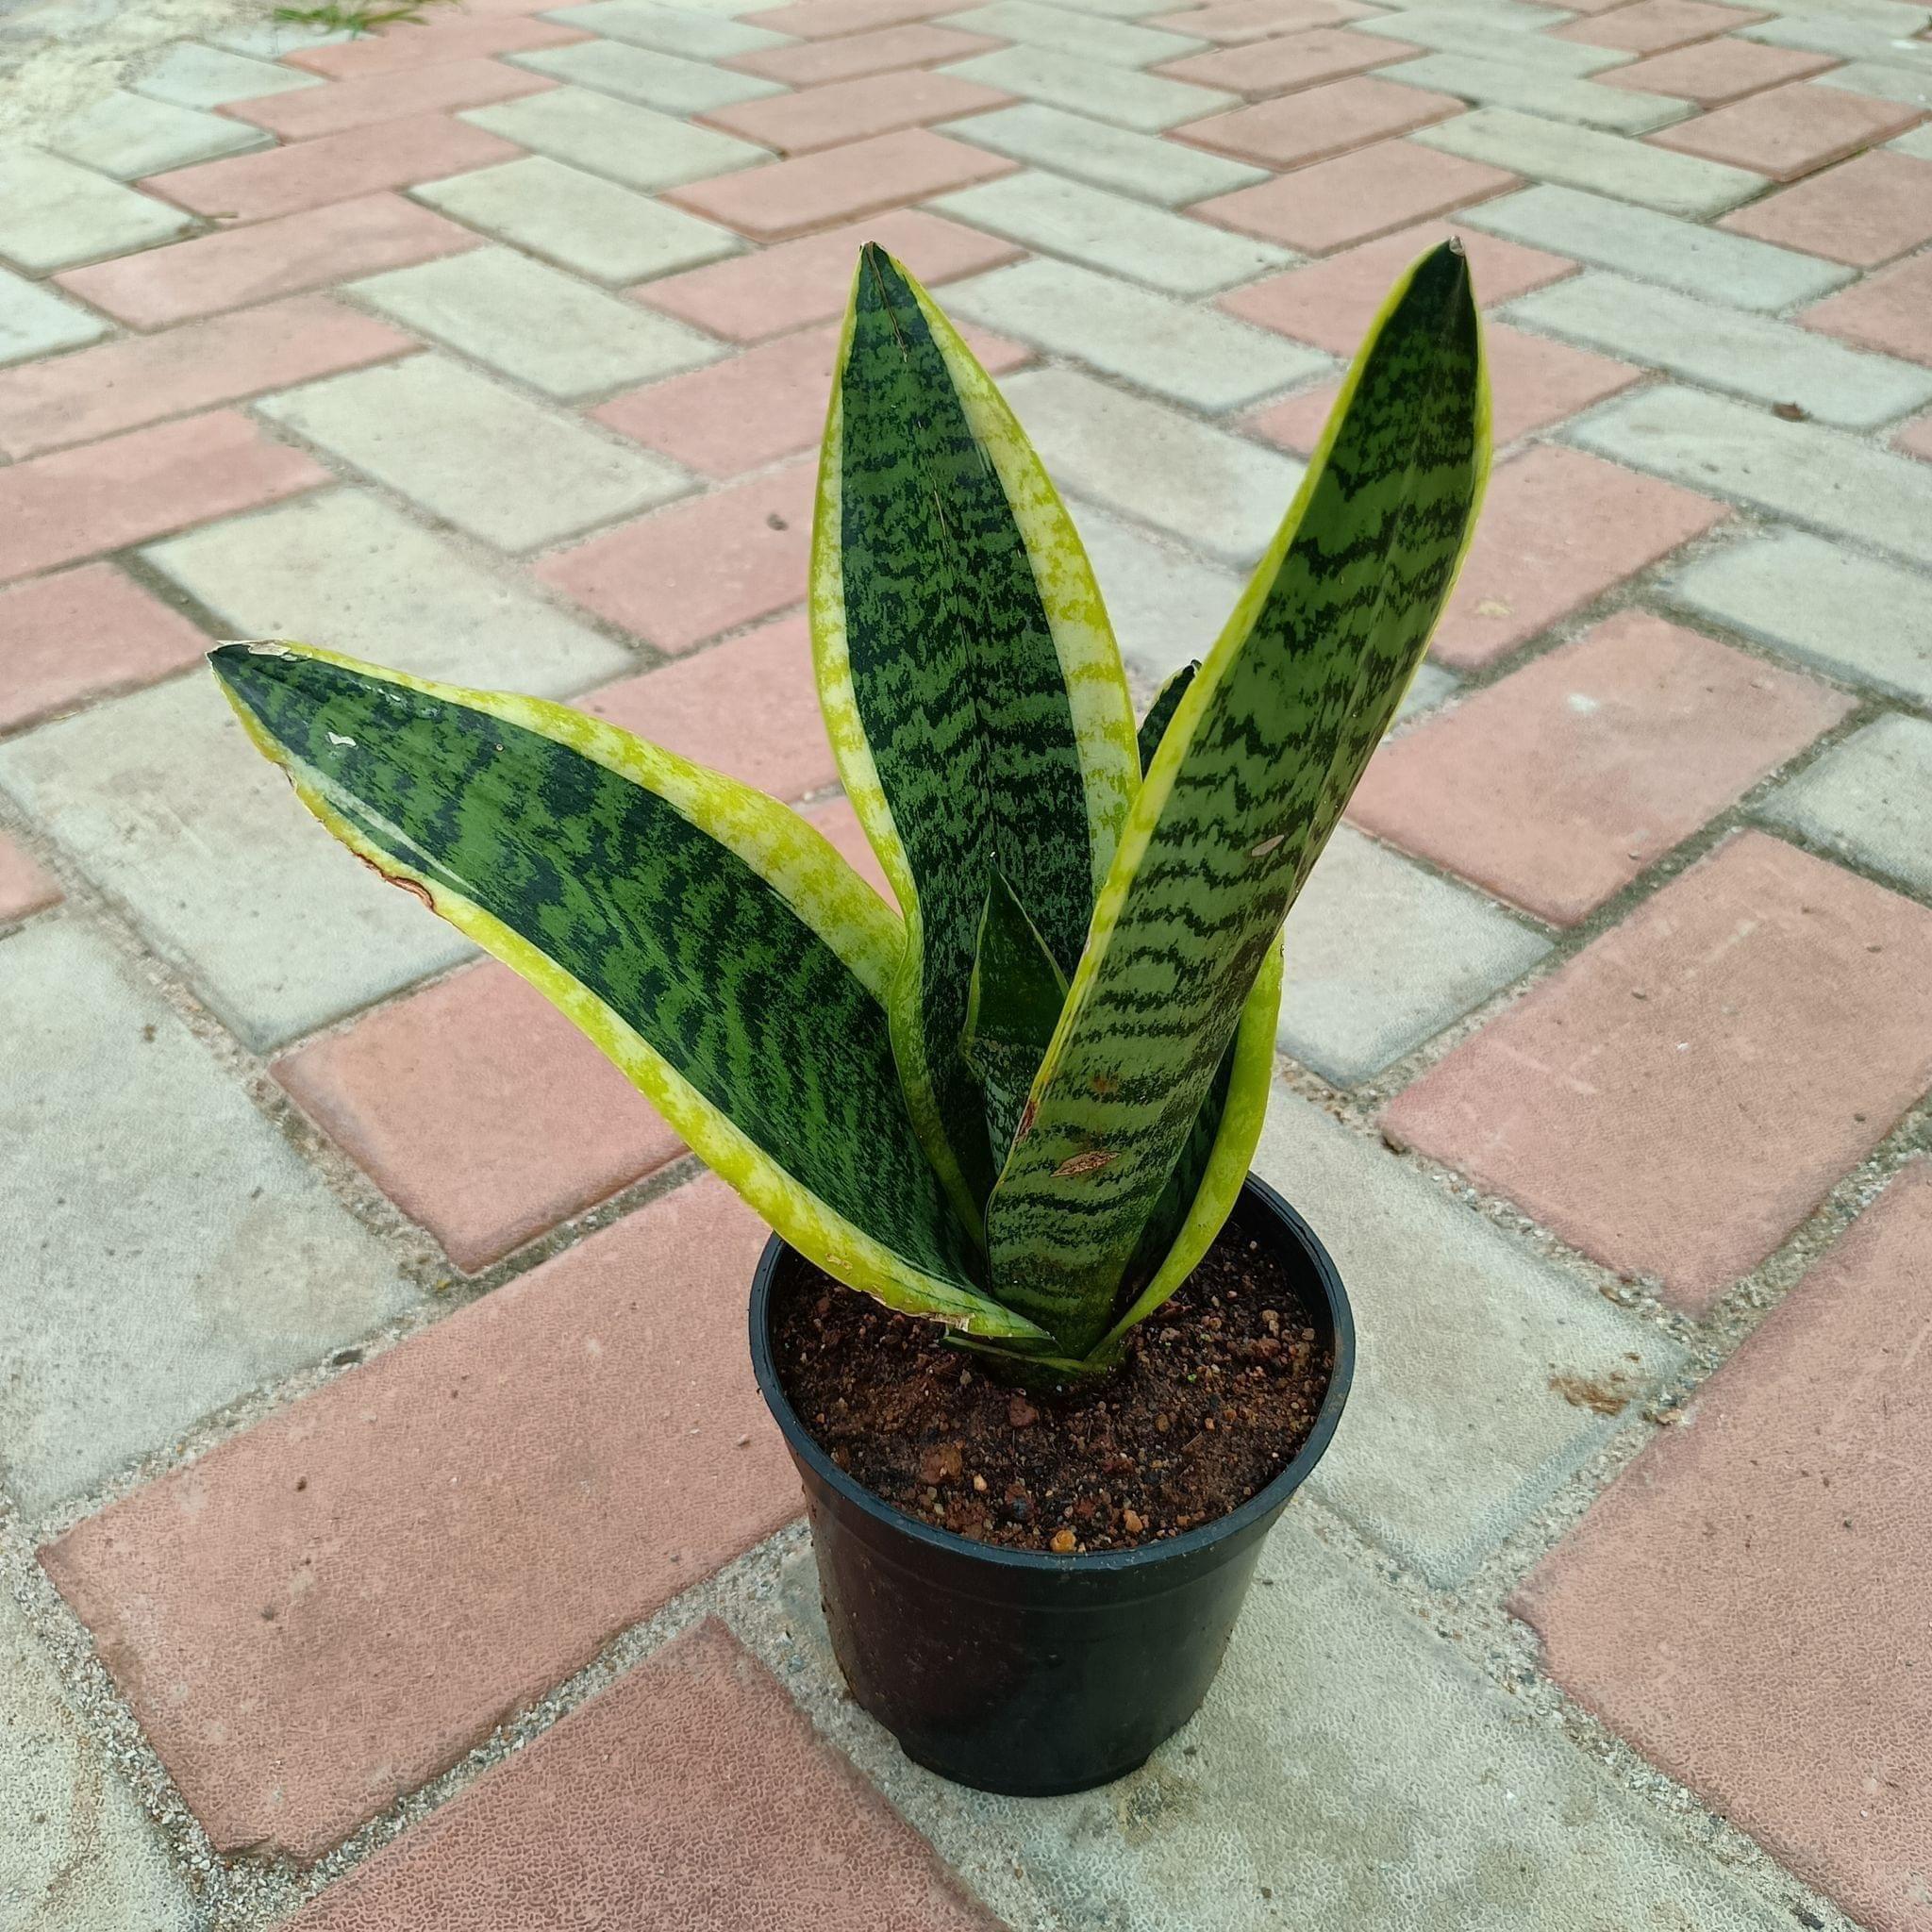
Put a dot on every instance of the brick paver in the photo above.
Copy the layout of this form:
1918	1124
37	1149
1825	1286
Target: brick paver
495	345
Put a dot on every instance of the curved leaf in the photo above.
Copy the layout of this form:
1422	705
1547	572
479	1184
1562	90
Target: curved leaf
1167	701
712	943
1013	1007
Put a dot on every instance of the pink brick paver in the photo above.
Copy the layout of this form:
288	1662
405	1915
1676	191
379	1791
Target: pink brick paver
817	63
1915	438
840	184
1890	311
1751	1602
333	1606
848	110
1558	529
335	167
79	503
692	1793
306	112
698	569
125	385
26	888
1355	198
1792	130
1714	72
1652	25
1264	68
85	634
210	273
1557	787
753	297
1536	383
1319	121
1235	23
1862	213
820	19
1331	303
1682	1094
480	1111
457	38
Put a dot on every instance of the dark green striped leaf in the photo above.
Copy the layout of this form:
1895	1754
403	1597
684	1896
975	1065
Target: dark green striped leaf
1013	1007
1167	701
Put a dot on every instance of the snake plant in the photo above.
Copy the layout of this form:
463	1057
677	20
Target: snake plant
1025	1108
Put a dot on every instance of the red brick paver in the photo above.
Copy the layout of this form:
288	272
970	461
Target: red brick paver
1320	122
1558	529
480	1111
1652	25
1265	68
1235	23
25	887
815	63
1862	213
691	1793
1683	1093
1915	438
331	1607
816	20
1751	1602
1714	72
1891	312
1792	130
1559	786
846	110
306	112
459	37
59	508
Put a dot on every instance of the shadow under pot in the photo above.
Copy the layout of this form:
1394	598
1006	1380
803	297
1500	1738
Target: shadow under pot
1018	1671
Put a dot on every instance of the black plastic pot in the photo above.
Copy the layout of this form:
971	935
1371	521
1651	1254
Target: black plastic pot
1020	1672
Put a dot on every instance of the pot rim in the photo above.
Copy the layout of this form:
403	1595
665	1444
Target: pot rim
1100	1562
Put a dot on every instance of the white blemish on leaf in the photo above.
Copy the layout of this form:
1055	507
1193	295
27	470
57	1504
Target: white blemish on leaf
337	738
1266	846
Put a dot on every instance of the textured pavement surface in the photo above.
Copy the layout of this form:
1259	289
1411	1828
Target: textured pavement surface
391	1536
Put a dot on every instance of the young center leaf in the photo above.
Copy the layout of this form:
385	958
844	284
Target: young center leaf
1012	1005
712	943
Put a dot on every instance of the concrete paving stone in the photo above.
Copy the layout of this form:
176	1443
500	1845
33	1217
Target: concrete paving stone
1554	96
1865	621
1726	348
1844	38
1795	470
1918	143
345	570
1652	247
192	74
83	634
125	385
1559	786
482	1112
637	147
1890	311
332	167
1355	198
25	887
1103	155
1558	530
347	104
286	257
273	40
698	568
54	213
1865	212
1684	1135
1246	23
791	284
483	457
127	135
1534	383
758	407
1084	36
813	63
543	328
183	1252
1262	69
1351	1765
1792	130
1652	25
1868	799
471	1516
668	82
580	221
694	1792
1711	73
1331	303
1701	1609
1188	354
842	110
1219	493
1452	30
824	19
1144	102
1583	158
1382	955
92	1858
696	35
1476	1399
79	503
426	44
1166	605
1111	232
841	184
1912	85
35	321
1320	122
